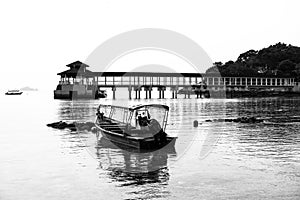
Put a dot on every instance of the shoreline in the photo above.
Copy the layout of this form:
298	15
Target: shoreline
260	94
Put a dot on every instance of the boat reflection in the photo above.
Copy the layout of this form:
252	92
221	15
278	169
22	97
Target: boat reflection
113	158
130	169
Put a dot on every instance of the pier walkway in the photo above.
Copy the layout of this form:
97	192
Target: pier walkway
188	83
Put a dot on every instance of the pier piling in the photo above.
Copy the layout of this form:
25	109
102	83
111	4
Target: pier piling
114	92
129	92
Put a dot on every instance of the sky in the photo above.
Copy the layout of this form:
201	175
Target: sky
38	38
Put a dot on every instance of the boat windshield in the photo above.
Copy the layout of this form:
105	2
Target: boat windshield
149	113
119	114
116	113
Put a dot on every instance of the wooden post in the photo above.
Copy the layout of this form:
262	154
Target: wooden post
146	90
136	94
159	93
114	92
129	92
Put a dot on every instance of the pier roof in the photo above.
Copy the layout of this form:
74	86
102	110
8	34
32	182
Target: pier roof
176	74
75	72
77	64
151	74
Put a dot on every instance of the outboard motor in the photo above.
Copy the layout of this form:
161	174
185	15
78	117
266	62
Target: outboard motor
159	135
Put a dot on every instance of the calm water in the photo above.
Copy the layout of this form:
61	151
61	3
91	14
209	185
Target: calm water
214	161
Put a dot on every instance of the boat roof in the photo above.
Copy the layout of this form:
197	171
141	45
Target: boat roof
136	107
149	105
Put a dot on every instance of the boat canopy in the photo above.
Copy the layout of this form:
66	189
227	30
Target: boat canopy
130	115
149	105
137	107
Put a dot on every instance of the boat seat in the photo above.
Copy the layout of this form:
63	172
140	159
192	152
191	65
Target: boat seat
112	125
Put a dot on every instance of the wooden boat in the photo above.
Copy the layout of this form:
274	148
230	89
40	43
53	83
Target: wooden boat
138	127
13	92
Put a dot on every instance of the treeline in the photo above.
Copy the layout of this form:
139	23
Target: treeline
276	60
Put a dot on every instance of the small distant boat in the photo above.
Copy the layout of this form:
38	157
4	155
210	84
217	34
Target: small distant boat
13	92
139	127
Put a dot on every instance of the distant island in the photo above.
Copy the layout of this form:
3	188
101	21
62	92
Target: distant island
279	60
28	89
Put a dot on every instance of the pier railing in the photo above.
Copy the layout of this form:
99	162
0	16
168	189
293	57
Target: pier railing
188	81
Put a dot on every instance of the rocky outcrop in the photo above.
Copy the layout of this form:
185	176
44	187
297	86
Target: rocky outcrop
73	126
238	120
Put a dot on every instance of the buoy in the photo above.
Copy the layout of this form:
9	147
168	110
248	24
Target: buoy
195	123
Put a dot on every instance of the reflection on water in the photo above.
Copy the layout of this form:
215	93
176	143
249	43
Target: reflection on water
151	185
271	147
129	161
216	160
124	169
277	139
160	176
146	174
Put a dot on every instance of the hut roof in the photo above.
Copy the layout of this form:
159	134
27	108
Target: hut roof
75	72
77	64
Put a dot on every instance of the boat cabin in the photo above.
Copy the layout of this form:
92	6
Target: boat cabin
138	127
136	120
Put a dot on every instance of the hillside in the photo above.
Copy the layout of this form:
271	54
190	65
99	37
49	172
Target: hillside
276	60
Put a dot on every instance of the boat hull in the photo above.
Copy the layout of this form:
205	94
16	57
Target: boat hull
135	143
17	93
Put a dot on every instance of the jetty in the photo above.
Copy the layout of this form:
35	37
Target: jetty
78	82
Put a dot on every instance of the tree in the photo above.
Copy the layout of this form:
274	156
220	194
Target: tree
286	67
237	69
217	64
297	72
230	62
248	55
278	59
212	69
216	68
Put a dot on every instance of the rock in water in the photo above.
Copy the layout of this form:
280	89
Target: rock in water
247	120
74	126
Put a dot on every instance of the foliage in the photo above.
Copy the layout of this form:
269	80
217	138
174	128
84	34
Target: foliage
276	60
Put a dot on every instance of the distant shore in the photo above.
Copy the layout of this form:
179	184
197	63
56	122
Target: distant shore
257	94
242	94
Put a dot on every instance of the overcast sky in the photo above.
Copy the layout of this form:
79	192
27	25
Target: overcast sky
39	38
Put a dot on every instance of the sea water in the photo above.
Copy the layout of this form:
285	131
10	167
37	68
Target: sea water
216	160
